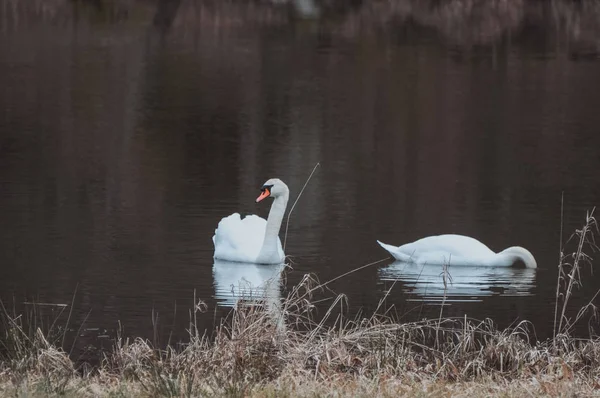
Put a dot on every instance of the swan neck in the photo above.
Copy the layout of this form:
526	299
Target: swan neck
515	255
275	219
269	252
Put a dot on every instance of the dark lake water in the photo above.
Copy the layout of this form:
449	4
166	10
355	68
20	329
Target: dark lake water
121	149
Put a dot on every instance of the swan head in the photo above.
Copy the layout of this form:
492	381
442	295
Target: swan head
522	256
273	188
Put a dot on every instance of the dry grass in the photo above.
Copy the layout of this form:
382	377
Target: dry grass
284	350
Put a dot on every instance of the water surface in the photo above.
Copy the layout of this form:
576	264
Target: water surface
121	149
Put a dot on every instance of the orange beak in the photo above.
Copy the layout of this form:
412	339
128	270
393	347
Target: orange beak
264	194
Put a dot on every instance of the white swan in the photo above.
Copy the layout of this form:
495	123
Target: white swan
459	250
254	239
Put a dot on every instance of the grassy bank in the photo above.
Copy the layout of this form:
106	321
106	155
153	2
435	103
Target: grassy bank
250	356
262	350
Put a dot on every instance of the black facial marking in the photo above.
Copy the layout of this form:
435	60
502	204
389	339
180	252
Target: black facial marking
266	187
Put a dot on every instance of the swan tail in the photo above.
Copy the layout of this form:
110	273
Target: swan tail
393	250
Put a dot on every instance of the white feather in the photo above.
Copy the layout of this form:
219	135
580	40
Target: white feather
458	250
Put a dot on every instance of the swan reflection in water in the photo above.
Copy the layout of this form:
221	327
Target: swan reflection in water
247	283
466	283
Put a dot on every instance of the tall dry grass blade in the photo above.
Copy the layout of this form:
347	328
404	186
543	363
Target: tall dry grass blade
560	260
79	331
287	223
70	314
573	276
340	298
382	301
350	272
445	277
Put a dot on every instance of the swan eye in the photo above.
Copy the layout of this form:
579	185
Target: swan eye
266	188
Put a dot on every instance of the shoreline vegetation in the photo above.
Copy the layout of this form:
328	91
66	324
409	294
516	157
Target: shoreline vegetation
567	25
266	350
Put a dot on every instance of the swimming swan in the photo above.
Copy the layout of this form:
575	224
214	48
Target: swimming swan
459	250
254	239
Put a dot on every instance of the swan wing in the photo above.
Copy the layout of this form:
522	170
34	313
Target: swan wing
458	245
443	249
239	239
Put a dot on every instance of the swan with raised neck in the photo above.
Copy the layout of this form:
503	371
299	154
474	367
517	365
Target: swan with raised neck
253	239
276	189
